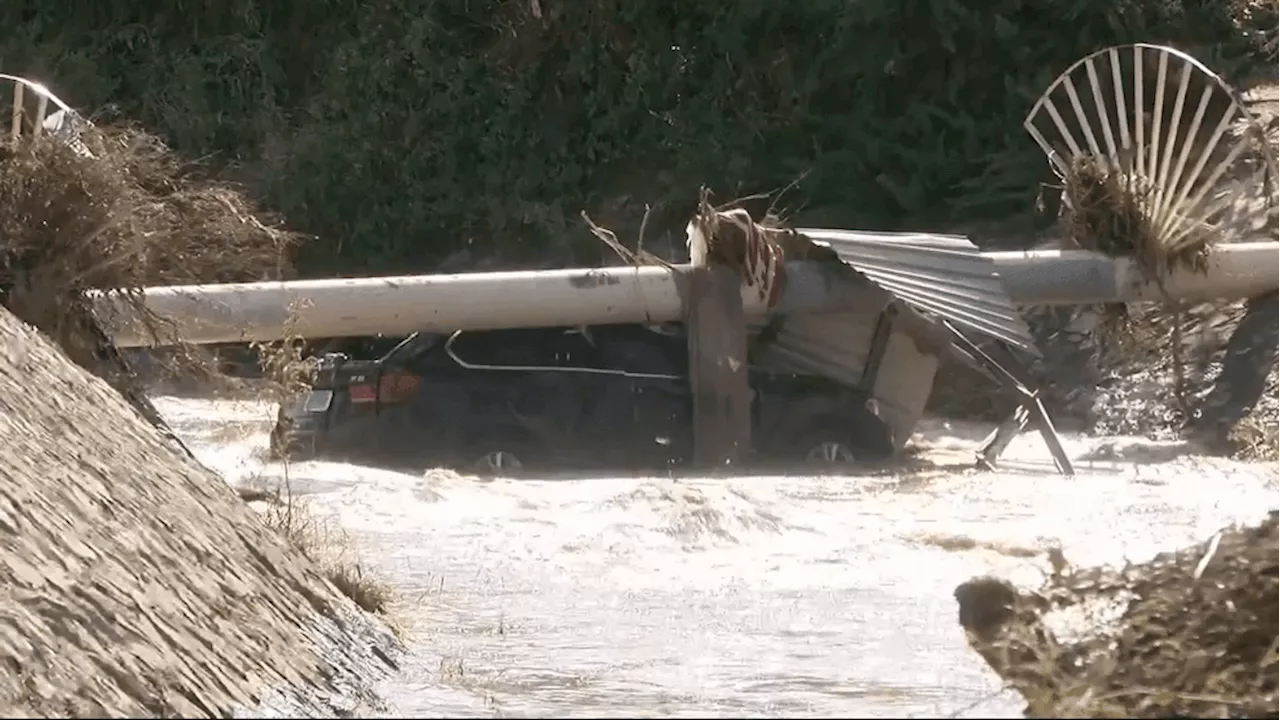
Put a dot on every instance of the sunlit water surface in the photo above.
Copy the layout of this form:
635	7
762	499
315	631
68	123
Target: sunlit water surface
759	596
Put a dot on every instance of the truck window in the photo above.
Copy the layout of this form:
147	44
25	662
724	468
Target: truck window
509	348
574	349
639	350
425	355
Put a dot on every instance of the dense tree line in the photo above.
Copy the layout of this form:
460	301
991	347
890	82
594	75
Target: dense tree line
401	132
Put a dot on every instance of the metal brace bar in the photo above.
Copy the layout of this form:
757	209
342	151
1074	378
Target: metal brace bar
879	346
969	351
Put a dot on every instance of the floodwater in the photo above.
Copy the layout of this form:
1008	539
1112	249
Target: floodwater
751	596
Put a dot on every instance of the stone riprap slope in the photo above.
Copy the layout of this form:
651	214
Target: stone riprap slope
133	581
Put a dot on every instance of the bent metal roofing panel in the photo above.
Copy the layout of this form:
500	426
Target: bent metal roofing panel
942	276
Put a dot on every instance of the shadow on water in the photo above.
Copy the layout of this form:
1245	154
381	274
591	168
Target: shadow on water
1139	453
578	472
912	473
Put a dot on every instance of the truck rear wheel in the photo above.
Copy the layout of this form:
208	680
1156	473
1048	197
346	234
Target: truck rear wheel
830	454
498	463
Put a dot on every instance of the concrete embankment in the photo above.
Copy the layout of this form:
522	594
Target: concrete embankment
135	583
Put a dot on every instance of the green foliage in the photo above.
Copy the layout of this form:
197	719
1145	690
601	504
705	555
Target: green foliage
399	131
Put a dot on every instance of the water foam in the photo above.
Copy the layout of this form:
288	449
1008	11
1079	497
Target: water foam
761	595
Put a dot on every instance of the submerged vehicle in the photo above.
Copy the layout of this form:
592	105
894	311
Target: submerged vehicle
606	396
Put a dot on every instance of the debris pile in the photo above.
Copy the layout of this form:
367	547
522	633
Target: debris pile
135	582
118	211
114	210
1207	370
1192	633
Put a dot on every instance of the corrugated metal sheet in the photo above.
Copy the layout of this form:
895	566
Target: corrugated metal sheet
833	345
836	345
941	275
904	385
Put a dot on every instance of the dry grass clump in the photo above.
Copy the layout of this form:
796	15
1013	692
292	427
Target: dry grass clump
1255	439
286	374
116	212
125	215
1116	212
367	592
1192	633
1113	212
285	369
288	514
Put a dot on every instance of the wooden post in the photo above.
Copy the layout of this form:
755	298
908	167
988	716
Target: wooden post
717	331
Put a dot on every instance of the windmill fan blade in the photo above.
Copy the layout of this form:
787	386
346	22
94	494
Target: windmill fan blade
1173	133
28	109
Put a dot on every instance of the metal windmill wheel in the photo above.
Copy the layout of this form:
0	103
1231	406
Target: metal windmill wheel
1182	140
34	111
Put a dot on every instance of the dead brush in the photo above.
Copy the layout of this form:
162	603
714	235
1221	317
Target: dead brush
1255	439
1191	633
287	373
290	516
1109	210
285	369
124	215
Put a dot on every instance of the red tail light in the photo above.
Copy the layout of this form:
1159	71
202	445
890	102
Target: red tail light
392	388
398	387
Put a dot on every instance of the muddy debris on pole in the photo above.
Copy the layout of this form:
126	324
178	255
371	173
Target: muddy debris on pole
877	312
1166	168
718	338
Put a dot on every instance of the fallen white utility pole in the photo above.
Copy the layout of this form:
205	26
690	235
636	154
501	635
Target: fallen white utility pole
350	307
1075	277
266	311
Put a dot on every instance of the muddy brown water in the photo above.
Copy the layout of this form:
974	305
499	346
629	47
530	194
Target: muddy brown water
760	596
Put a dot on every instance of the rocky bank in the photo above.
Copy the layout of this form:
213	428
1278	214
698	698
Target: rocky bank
135	583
